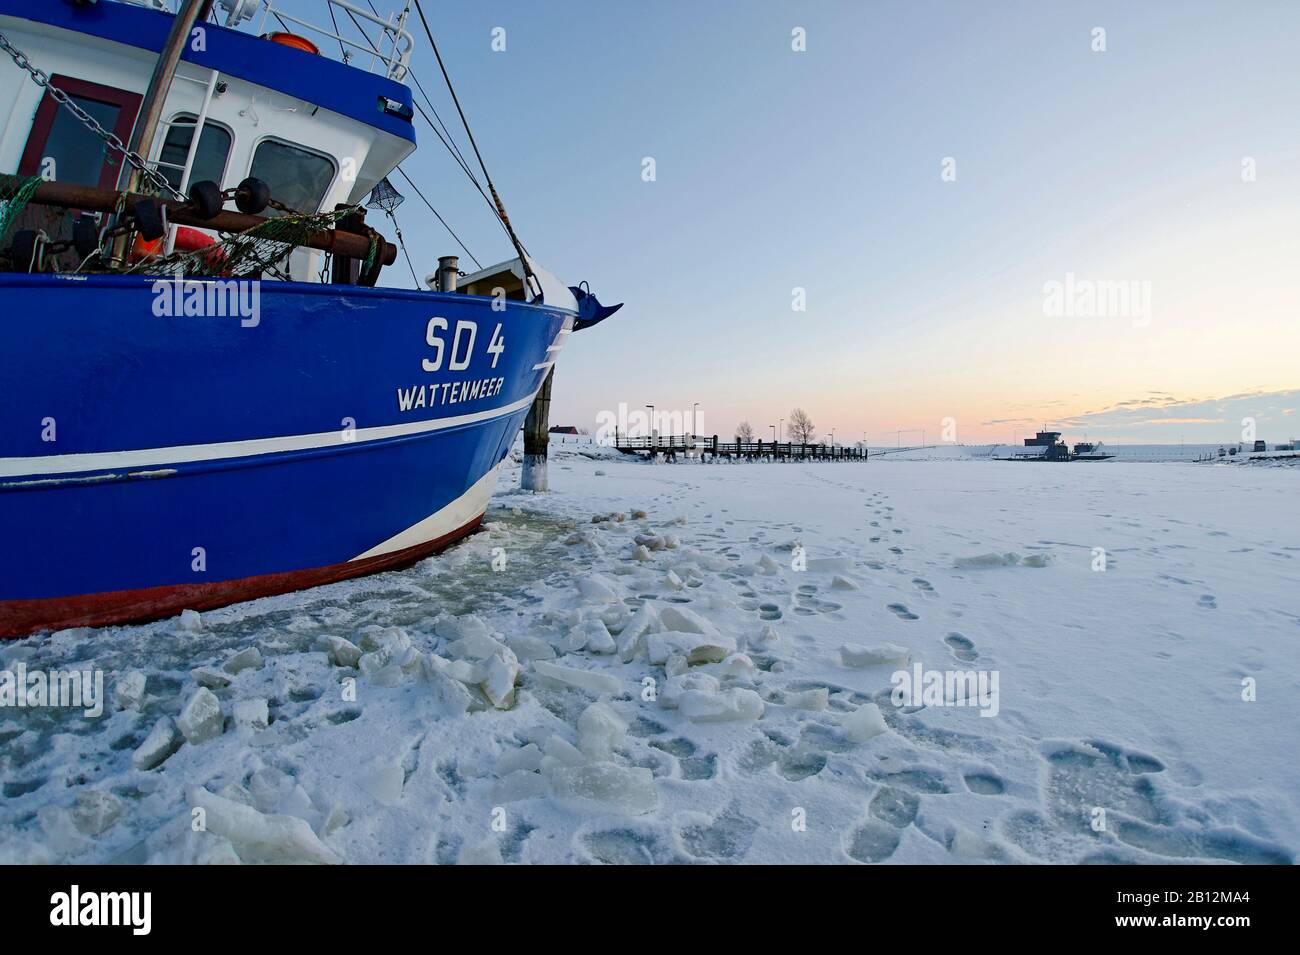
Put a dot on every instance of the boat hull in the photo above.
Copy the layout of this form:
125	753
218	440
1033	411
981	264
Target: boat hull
155	462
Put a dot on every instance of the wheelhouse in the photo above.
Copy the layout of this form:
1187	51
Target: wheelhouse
320	132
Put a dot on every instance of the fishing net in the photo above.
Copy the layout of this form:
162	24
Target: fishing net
263	248
14	196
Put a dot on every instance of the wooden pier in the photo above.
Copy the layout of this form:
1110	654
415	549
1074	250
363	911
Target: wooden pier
709	446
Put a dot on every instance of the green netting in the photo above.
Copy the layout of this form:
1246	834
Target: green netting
13	199
262	248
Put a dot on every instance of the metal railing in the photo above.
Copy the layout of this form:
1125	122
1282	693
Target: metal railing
389	48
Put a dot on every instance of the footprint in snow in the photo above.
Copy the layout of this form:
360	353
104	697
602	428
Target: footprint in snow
726	839
896	807
985	784
1207	602
873	842
962	648
627	847
901	612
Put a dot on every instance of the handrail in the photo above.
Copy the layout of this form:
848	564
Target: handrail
395	62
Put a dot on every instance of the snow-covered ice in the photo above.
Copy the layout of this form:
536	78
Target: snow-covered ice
650	678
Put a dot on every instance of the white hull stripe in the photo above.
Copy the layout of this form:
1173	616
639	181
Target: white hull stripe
455	515
153	457
553	350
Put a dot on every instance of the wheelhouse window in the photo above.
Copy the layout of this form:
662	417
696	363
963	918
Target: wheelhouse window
297	178
80	157
209	159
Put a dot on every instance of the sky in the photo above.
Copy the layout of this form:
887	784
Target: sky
998	216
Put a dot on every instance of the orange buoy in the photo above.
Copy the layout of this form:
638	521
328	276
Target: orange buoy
295	41
144	248
191	240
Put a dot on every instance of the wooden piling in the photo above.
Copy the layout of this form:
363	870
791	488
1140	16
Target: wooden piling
536	438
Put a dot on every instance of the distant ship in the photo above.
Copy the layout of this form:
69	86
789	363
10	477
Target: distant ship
1048	446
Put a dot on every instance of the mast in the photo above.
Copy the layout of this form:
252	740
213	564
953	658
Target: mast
146	123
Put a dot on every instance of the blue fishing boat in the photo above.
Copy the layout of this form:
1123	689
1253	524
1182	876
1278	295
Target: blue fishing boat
204	404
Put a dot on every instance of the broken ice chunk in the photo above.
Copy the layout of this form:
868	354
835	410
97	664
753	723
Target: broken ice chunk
95	811
454	628
696	647
451	694
258	837
162	741
530	648
598	638
500	672
561	752
685	621
675	686
128	691
212	679
645	620
600	729
854	655
986	560
738	666
475	646
839	582
863	723
607	786
571	676
247	659
596	589
341	652
815	699
727	705
201	717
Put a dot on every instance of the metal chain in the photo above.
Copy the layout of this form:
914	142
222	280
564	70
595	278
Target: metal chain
114	142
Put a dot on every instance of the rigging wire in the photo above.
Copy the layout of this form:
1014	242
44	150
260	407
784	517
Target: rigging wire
402	242
487	177
440	218
440	127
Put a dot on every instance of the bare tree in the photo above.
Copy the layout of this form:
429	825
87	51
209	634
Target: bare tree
802	429
744	431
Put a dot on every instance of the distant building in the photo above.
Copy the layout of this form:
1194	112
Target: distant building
564	429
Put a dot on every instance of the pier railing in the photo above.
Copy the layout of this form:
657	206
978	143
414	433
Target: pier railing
672	445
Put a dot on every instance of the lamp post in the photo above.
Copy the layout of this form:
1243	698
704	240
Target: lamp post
694	419
780	429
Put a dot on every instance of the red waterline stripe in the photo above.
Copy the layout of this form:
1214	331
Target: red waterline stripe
19	618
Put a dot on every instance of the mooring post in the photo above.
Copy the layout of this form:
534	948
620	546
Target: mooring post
536	425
